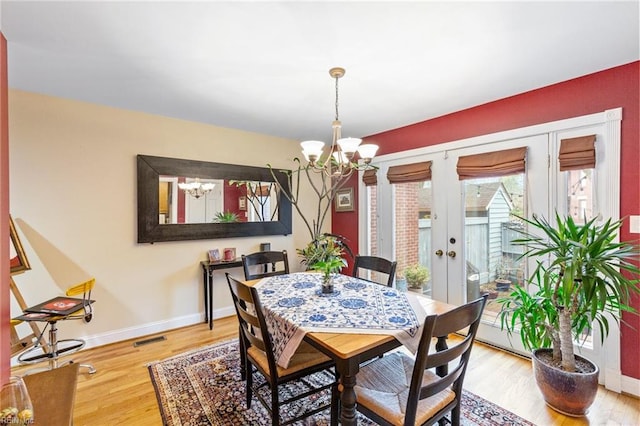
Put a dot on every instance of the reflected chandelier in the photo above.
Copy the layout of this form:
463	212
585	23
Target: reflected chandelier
340	161
196	188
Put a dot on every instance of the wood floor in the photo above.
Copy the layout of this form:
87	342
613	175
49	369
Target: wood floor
121	393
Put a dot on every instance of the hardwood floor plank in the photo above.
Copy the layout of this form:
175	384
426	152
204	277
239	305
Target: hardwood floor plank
120	392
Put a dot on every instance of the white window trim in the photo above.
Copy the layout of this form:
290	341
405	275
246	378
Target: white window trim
608	199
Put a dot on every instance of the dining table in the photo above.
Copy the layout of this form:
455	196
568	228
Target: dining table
360	320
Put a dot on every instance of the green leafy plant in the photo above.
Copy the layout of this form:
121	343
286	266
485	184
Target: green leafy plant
579	280
328	267
226	217
324	248
416	275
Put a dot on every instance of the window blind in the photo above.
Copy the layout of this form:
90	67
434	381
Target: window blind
577	153
415	172
491	164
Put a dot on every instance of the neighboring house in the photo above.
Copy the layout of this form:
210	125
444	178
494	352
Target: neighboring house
486	214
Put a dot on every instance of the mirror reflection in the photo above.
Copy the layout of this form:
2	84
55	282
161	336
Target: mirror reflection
184	200
217	200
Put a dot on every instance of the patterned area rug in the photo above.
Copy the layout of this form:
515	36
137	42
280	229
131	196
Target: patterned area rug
203	387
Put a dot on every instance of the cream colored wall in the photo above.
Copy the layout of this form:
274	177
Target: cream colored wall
73	197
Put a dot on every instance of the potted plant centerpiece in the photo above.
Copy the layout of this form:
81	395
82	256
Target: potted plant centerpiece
416	275
583	277
325	254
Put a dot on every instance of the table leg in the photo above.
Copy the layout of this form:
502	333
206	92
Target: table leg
441	344
210	301
205	285
348	371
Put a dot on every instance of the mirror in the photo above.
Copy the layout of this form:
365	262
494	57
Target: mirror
218	201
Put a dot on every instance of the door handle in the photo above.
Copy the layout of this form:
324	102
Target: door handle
439	253
451	253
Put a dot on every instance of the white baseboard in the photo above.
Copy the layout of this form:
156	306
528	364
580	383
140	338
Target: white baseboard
630	386
153	328
115	336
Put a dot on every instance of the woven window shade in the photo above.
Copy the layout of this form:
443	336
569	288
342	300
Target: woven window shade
577	153
491	164
370	177
416	172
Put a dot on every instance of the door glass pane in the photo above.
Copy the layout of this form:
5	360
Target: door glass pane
580	206
492	264
579	190
413	202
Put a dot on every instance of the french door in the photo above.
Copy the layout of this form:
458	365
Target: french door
461	229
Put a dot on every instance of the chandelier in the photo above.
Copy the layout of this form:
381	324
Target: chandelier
340	162
196	188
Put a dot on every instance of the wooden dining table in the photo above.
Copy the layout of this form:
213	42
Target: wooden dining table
349	350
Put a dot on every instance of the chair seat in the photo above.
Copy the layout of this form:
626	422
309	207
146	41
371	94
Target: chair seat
306	356
383	387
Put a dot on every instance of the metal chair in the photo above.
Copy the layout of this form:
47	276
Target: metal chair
397	389
54	348
375	264
264	264
259	357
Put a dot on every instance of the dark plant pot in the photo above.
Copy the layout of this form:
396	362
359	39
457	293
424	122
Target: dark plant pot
502	284
568	393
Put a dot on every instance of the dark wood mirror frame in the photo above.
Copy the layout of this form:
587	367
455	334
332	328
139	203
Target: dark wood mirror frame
149	229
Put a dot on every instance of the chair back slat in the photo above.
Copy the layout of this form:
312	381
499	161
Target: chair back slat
264	264
251	318
377	265
82	288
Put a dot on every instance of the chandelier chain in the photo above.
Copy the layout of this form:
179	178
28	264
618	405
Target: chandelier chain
337	117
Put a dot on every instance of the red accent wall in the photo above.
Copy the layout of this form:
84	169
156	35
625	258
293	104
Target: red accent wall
612	88
232	194
5	314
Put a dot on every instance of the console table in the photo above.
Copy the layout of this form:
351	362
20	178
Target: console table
207	279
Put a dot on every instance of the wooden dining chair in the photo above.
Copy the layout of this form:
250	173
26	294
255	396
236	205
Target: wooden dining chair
260	358
265	264
377	265
398	390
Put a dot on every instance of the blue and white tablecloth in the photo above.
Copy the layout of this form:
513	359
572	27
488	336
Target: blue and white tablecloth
294	305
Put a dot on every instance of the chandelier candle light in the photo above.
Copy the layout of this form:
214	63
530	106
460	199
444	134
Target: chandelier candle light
196	188
335	167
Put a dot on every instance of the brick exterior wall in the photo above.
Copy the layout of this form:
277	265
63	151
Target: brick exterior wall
406	224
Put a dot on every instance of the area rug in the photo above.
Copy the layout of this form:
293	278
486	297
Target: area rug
203	387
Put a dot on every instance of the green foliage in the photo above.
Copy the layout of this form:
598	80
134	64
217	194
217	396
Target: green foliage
416	275
225	217
326	254
330	266
323	248
583	276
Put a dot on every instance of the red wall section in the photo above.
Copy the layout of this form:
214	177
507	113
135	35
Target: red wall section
612	88
5	333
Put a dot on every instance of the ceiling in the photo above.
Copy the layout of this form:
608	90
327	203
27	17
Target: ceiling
263	66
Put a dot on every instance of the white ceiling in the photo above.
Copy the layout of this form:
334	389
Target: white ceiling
263	66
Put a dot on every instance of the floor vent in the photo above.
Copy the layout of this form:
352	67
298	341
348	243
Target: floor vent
150	340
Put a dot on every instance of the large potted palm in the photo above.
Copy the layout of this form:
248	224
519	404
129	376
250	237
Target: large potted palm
584	278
